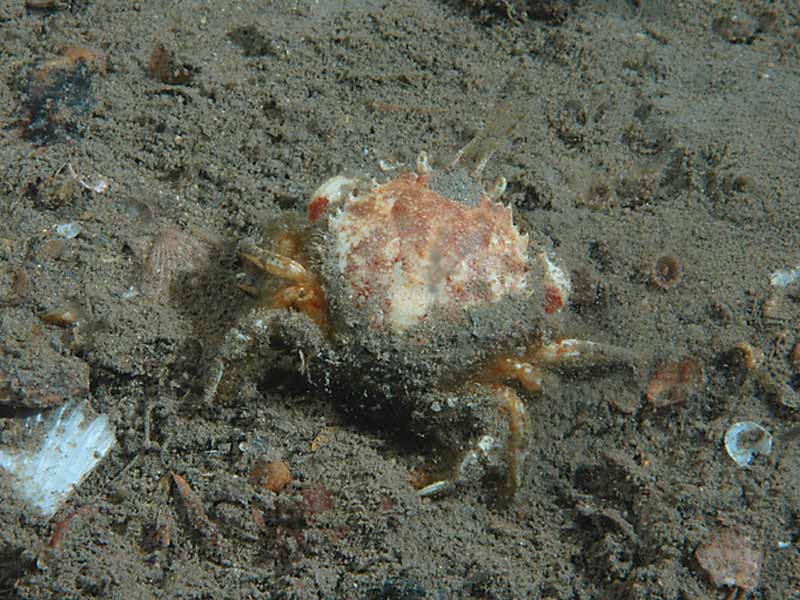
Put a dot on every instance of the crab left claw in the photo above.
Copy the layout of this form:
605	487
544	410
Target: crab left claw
499	451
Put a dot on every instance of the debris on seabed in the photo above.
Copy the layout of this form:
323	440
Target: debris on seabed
62	316
675	382
68	230
666	272
163	67
68	446
782	279
781	299
747	356
60	96
271	475
100	186
746	439
435	488
731	560
173	252
195	512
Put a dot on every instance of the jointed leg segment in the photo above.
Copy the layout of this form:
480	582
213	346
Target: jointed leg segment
526	371
304	294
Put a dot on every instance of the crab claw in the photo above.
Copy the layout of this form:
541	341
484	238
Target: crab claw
499	452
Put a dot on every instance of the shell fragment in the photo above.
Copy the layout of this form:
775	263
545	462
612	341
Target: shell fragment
746	439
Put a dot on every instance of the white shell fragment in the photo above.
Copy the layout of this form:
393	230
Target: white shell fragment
435	488
782	279
68	230
67	449
746	439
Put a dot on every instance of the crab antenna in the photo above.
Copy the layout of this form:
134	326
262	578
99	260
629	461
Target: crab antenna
423	166
496	190
478	152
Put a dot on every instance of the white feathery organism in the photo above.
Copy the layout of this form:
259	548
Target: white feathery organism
68	449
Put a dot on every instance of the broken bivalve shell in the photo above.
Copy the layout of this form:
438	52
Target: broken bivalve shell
173	252
746	439
675	382
68	230
730	559
69	445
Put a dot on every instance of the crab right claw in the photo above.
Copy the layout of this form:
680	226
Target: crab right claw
304	293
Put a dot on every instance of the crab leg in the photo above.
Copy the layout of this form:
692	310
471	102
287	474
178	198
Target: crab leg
527	370
509	368
512	408
306	296
580	353
514	426
275	264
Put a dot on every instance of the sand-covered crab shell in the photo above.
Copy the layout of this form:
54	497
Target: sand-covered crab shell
410	251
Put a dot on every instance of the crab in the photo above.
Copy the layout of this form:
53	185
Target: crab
419	304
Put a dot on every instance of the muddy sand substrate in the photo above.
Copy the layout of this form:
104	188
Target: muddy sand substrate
649	130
